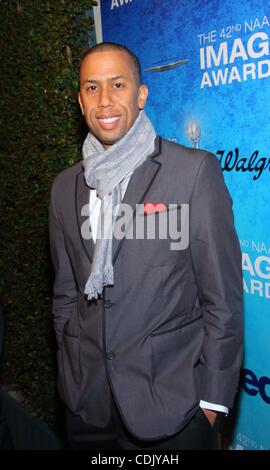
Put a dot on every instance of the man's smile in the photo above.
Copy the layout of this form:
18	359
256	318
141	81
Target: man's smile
108	122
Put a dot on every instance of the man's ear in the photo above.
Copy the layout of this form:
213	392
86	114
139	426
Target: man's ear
81	103
143	94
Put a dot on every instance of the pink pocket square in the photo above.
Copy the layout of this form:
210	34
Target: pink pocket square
152	207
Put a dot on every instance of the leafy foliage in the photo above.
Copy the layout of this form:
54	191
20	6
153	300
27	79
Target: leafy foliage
41	132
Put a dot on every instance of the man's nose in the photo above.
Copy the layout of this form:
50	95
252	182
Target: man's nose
105	97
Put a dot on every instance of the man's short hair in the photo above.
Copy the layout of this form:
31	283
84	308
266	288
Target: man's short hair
106	46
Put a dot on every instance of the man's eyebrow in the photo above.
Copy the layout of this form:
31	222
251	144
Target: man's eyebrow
117	78
90	80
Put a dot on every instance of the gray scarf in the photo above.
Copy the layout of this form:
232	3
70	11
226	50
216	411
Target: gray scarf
105	171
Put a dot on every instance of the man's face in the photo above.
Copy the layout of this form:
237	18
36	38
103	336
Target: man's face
110	96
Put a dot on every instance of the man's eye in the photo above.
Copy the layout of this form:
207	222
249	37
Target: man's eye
91	88
118	85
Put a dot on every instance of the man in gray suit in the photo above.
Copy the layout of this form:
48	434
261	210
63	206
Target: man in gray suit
149	328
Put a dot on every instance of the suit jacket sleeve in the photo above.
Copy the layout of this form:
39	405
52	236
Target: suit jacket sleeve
65	289
216	258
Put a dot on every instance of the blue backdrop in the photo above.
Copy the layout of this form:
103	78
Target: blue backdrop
222	92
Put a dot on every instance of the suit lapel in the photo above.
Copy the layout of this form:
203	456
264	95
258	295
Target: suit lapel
82	207
139	184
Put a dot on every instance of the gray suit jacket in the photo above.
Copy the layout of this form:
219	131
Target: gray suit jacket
169	332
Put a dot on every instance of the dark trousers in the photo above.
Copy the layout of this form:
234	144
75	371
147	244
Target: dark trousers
197	435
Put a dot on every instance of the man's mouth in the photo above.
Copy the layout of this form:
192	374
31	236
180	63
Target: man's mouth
108	123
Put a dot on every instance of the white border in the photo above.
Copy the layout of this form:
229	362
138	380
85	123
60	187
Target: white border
98	23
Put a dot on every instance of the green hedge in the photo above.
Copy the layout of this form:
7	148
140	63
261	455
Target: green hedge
41	132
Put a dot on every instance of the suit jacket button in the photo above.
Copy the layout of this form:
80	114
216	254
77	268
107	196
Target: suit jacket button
108	303
110	355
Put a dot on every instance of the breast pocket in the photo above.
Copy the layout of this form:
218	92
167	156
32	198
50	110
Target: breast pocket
163	235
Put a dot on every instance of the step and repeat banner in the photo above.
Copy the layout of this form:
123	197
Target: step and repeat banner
207	65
